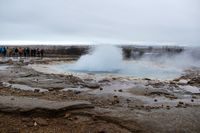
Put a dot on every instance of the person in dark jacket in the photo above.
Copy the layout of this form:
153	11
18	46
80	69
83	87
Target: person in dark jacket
4	51
42	53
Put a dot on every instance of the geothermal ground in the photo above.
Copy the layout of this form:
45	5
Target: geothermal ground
37	98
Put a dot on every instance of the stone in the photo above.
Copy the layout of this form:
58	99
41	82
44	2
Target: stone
168	107
35	124
67	115
128	100
10	62
171	97
41	121
120	90
180	102
26	104
115	96
194	97
77	92
12	99
114	78
92	85
51	89
26	119
147	79
36	90
182	82
55	88
104	80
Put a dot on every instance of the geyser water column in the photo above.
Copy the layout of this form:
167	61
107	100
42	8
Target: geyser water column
104	58
109	59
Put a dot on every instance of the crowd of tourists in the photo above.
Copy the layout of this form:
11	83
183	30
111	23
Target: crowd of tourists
21	52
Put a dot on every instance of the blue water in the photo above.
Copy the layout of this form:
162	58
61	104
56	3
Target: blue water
137	69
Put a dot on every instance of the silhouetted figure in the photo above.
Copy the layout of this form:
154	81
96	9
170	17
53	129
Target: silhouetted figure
38	52
42	53
27	52
34	52
15	52
4	51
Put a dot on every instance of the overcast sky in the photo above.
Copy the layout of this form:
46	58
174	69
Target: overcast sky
100	21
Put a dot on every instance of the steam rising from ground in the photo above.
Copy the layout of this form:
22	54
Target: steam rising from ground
102	59
109	59
188	58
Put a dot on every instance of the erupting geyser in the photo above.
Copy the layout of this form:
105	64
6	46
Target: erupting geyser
109	59
102	59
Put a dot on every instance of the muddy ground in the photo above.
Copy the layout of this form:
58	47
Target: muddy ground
34	101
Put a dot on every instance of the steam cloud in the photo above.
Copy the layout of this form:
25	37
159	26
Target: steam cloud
102	59
109	59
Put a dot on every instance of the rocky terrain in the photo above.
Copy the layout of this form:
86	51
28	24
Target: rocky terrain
35	101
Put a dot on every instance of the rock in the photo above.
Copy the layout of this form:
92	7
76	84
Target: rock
12	99
41	121
77	92
171	96
172	82
35	124
101	89
192	100
67	115
26	119
128	100
168	107
147	79
104	80
180	102
26	104
92	85
10	62
50	89
115	96
120	90
26	75
36	90
182	82
115	101
69	118
114	78
195	80
194	97
31	61
155	100
160	92
55	88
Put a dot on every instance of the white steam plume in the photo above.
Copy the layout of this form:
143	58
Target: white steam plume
102	59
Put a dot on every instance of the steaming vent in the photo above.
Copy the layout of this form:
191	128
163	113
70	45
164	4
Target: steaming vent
104	59
109	59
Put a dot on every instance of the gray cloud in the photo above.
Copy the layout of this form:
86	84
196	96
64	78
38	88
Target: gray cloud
100	21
